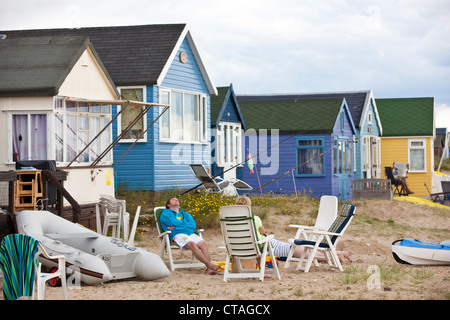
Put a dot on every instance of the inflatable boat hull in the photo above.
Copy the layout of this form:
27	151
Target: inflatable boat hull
415	252
95	257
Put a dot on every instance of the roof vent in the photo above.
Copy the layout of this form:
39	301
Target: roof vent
2	36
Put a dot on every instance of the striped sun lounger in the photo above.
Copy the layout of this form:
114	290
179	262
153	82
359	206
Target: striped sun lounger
17	254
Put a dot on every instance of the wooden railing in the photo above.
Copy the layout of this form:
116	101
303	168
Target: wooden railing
372	188
56	178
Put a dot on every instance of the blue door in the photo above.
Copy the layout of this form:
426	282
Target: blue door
343	159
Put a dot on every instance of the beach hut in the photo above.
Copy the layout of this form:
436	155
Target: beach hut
299	145
54	94
364	112
228	126
408	137
160	64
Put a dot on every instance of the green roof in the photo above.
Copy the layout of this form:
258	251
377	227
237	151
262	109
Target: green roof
406	116
37	66
292	116
217	102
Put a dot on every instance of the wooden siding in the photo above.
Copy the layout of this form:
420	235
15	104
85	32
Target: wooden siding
230	113
396	149
134	171
168	174
286	160
148	166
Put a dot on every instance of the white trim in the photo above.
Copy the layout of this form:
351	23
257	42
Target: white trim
203	108
9	143
424	148
233	145
209	83
187	34
370	98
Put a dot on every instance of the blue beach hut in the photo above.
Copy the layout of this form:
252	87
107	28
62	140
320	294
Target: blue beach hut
299	145
228	127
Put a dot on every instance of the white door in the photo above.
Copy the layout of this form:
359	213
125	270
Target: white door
229	148
371	157
375	157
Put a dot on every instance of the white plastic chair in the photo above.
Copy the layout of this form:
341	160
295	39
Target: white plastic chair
115	217
328	208
42	277
167	246
238	230
134	227
325	241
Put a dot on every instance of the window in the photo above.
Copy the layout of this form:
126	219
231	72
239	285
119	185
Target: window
185	120
310	157
29	136
76	125
417	155
130	113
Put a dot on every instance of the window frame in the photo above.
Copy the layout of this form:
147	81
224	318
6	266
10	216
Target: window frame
103	119
422	147
320	147
9	135
200	116
119	118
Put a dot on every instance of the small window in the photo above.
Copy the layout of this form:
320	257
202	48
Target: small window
310	157
369	117
130	113
417	155
29	136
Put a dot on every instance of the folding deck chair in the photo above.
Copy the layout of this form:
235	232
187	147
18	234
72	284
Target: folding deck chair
400	188
328	208
438	197
325	241
168	246
217	184
446	189
239	233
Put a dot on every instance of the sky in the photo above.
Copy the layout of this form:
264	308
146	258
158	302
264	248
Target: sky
396	48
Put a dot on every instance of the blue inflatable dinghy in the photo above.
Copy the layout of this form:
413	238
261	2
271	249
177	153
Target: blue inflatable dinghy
409	251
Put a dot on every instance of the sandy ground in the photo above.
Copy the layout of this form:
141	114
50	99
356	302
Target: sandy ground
376	225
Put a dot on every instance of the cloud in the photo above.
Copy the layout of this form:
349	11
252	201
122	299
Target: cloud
442	114
397	48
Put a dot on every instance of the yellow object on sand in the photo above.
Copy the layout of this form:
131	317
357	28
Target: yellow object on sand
421	201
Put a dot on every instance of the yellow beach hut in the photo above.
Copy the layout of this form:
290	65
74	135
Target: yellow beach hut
408	137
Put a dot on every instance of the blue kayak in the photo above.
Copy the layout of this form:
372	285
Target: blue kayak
416	252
